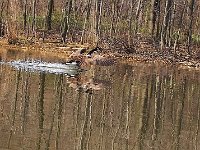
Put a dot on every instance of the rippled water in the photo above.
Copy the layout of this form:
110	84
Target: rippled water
120	107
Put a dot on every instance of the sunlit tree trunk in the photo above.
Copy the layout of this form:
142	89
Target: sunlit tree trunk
130	34
75	7
98	21
172	26
12	21
49	14
113	19
88	7
176	42
166	22
34	15
138	11
191	16
66	18
25	14
2	6
155	17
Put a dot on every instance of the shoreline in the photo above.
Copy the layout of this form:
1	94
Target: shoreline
144	55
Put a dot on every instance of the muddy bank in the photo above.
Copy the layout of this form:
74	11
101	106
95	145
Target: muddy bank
144	52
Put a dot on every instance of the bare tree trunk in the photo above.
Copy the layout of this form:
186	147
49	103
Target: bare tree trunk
75	8
176	42
49	14
86	20
130	40
155	16
2	32
191	15
138	10
112	28
34	16
171	25
12	22
66	18
166	22
25	14
98	21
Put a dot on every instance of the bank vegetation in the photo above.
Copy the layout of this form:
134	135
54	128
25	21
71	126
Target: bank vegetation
169	26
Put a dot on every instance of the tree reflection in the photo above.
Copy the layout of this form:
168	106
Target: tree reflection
105	108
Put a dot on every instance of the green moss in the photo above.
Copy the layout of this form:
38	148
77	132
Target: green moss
196	38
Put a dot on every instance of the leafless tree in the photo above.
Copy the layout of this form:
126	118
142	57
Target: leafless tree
166	23
191	16
49	14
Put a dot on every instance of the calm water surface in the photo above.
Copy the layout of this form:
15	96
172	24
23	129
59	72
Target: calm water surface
120	107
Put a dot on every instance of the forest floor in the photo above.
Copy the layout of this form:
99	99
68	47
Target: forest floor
144	52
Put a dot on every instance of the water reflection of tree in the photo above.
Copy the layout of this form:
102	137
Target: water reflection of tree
59	95
40	109
179	115
58	107
26	98
14	106
198	120
137	111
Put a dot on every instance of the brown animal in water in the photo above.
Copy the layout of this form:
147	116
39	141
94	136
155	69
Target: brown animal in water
92	58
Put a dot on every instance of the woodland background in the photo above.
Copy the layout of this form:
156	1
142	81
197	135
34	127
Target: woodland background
164	23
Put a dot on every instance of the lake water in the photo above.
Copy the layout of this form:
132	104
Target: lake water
119	107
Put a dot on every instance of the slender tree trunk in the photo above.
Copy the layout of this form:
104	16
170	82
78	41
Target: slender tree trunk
191	15
88	7
2	32
49	14
138	10
25	14
130	41
166	22
112	28
98	21
176	42
66	18
75	8
155	16
12	22
34	16
171	25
